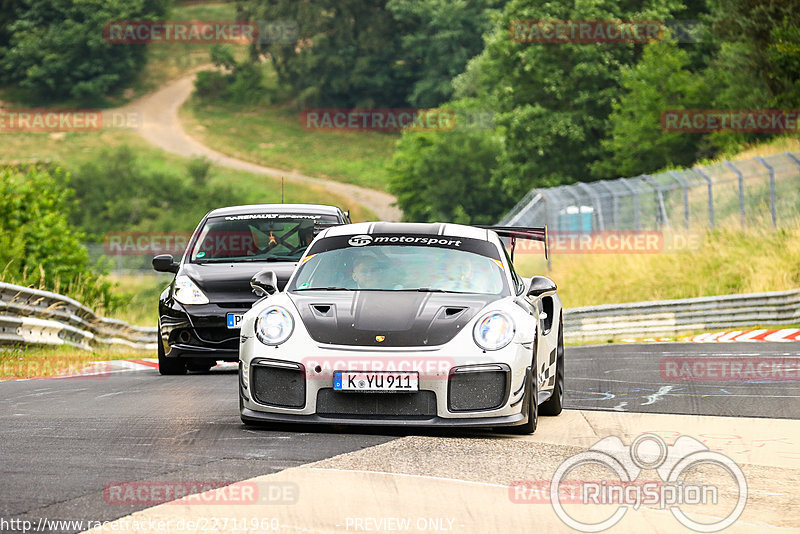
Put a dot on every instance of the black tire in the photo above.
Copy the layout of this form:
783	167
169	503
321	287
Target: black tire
533	408
555	404
169	366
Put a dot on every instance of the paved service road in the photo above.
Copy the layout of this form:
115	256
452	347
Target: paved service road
64	440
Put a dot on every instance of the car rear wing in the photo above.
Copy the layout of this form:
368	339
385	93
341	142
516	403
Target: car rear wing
319	226
533	233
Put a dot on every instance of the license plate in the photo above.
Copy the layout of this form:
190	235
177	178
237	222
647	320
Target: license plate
376	381
234	319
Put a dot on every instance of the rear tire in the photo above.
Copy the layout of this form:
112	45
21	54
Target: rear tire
555	404
169	366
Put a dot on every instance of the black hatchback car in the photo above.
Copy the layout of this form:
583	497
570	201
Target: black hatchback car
199	312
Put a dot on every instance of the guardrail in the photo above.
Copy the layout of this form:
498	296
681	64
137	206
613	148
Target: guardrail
682	316
34	317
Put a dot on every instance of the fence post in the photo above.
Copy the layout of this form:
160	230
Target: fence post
771	188
710	195
793	158
635	202
732	167
685	189
664	217
614	203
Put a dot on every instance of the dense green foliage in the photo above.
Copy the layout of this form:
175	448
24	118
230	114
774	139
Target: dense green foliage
117	191
372	53
38	244
55	50
447	176
572	112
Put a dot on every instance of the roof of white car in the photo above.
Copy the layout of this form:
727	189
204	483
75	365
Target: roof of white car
305	209
403	228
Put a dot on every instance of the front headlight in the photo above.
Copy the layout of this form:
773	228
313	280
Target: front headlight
187	292
493	331
274	325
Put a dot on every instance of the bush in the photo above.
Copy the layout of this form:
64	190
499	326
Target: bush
446	176
38	245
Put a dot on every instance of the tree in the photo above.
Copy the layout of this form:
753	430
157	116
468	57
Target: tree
442	36
346	52
57	50
661	80
447	175
553	100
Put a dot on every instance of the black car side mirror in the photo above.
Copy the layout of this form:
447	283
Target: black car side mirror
164	263
541	285
264	283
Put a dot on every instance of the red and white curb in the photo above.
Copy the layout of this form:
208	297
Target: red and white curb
738	336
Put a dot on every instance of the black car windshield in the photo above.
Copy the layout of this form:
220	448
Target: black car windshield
401	268
255	237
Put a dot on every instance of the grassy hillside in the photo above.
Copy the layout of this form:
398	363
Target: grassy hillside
272	135
728	262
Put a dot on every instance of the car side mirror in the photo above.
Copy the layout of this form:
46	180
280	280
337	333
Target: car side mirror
541	285
164	263
264	283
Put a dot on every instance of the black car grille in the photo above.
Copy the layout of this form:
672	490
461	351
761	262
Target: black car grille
419	405
218	338
278	386
476	391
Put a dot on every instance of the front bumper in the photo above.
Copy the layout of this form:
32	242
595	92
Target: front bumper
199	331
435	404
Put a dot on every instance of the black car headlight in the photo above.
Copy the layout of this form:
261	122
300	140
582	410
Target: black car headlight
493	331
274	325
186	291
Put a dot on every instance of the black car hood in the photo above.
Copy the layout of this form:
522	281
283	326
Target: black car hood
230	282
402	318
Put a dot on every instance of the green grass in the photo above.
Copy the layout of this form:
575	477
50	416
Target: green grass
728	262
40	362
272	135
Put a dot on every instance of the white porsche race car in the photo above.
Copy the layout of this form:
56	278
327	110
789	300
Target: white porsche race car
405	324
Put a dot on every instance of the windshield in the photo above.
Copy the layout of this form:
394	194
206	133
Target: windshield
256	237
401	268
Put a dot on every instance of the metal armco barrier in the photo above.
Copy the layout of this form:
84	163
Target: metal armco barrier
34	317
683	316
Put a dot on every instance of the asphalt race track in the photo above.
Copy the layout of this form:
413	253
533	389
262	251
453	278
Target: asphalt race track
629	378
64	440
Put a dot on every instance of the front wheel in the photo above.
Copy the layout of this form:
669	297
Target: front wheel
169	366
533	408
555	403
